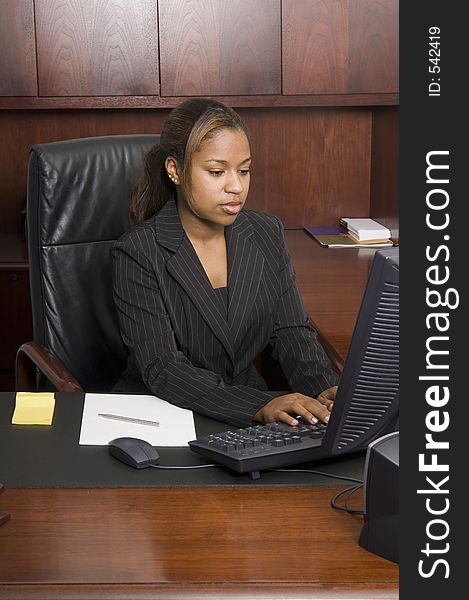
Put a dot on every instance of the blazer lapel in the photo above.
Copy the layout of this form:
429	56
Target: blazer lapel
187	270
245	266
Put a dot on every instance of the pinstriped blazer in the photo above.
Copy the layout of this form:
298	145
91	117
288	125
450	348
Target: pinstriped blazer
189	347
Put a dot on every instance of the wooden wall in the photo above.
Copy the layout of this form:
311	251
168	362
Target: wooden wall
316	81
311	165
340	47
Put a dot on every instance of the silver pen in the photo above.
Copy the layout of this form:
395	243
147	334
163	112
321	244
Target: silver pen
129	419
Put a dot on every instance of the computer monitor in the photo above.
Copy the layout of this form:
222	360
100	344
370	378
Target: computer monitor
367	400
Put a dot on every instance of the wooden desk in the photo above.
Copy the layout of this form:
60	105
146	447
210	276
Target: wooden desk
185	543
274	542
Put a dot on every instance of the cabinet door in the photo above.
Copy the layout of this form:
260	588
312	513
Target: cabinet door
216	47
17	49
15	321
340	46
97	47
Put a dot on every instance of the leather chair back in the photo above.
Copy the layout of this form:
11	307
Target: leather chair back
77	206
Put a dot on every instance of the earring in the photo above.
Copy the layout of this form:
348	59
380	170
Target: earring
173	179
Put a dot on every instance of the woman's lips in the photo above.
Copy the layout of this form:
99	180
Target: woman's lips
232	208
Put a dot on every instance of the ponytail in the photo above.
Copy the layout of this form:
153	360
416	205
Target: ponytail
153	189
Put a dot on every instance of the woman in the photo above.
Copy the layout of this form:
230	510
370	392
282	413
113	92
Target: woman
202	286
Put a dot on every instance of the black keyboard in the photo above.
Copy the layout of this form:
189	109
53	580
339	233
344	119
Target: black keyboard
261	447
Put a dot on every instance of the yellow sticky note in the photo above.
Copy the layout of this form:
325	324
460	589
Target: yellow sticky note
34	408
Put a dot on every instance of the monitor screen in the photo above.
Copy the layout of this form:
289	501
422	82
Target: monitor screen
367	400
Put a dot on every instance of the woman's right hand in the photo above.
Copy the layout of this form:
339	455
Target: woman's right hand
282	408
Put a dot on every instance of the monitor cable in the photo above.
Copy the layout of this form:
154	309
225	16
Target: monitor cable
347	493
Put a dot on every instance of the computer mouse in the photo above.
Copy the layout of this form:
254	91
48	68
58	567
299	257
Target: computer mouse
137	453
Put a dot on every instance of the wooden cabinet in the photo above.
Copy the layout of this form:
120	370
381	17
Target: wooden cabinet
340	46
97	48
214	47
109	54
17	49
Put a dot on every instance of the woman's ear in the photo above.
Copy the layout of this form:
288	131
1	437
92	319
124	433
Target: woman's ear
172	169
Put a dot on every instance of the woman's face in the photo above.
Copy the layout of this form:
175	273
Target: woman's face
219	178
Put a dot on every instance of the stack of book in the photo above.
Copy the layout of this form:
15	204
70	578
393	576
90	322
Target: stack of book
352	233
366	231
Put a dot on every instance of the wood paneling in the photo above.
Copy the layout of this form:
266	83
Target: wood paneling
17	49
314	48
97	47
311	165
261	101
374	46
104	53
340	46
384	196
214	47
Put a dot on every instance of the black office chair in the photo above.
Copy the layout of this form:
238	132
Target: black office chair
77	206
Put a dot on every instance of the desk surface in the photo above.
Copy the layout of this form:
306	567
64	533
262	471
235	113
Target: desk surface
332	282
51	457
210	542
186	543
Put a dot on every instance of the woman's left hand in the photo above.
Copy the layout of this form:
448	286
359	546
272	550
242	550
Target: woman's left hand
327	397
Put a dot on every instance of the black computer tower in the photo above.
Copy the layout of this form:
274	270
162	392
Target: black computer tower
380	532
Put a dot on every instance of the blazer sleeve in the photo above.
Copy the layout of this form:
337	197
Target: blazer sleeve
146	331
294	342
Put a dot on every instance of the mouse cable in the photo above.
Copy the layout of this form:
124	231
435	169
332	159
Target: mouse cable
332	475
349	491
188	467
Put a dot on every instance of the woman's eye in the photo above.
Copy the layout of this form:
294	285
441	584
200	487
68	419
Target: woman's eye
216	173
245	171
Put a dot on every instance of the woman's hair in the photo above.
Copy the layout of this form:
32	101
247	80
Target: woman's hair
187	127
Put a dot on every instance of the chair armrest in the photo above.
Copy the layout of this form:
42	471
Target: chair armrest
33	356
337	361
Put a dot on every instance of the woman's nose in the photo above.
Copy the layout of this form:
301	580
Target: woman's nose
234	183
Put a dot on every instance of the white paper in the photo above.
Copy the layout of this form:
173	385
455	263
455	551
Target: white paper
176	425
